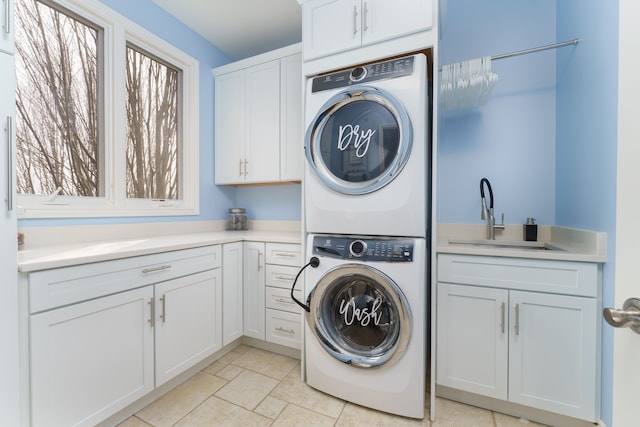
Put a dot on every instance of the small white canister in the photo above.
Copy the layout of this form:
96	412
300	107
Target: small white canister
237	219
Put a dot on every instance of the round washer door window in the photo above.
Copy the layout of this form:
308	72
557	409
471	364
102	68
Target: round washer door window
359	141
360	316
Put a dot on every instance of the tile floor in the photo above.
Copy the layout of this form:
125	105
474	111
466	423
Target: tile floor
253	387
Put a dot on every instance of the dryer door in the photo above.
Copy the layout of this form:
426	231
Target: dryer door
359	141
360	316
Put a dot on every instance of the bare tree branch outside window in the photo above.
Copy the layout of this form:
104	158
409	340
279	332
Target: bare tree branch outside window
57	102
152	127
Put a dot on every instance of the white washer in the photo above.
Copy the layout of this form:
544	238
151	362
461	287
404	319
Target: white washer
367	148
365	331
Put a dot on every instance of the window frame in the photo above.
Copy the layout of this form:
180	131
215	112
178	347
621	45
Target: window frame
118	33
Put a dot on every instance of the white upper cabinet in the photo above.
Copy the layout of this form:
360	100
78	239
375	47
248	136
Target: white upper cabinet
7	27
258	132
332	26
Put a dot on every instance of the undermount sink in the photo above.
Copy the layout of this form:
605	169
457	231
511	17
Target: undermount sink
506	244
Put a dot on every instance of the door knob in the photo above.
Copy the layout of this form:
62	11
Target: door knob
629	316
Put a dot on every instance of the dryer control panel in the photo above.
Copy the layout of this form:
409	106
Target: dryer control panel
364	74
364	248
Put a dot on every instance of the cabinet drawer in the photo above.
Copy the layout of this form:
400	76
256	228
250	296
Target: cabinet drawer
282	276
68	285
284	254
284	328
280	299
558	277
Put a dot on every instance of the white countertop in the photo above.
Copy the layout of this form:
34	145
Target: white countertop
569	244
55	256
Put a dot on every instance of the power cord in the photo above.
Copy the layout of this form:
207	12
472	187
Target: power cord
313	262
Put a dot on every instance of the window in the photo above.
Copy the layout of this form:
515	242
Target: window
107	115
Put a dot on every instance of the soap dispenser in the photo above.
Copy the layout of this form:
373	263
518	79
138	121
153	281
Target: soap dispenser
530	230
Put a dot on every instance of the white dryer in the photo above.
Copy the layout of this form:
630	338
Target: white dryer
368	150
365	336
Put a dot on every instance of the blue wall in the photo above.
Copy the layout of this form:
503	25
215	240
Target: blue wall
511	139
214	200
586	140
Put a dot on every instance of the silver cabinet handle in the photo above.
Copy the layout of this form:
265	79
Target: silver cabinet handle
286	331
259	260
629	316
502	307
365	17
7	16
355	20
163	316
517	319
9	161
153	313
284	255
246	167
284	301
240	168
287	278
154	269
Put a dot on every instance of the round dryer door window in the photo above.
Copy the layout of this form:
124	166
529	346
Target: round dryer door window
360	316
359	141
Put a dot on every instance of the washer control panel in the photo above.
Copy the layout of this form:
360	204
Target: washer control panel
363	74
364	248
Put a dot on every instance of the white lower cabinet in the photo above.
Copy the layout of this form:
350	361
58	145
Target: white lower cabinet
92	353
91	359
498	337
253	288
232	292
188	319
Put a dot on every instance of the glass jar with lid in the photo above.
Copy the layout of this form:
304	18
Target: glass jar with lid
237	219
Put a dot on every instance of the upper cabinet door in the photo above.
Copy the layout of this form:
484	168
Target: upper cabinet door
7	27
262	147
230	124
384	19
330	26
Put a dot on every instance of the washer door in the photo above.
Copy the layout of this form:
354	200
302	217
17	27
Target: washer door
359	141
360	316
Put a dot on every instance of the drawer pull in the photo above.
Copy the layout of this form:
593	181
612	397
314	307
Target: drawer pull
287	278
284	255
154	269
284	301
286	331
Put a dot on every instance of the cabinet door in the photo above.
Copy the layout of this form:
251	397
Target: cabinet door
384	19
262	144
254	290
472	339
291	107
330	26
188	322
90	360
7	26
553	353
232	309
230	125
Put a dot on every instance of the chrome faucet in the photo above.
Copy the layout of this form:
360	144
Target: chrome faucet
487	214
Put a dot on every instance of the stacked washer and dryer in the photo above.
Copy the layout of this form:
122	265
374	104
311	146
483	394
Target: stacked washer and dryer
366	203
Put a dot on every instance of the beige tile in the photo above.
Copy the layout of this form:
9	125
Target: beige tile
454	414
242	349
353	416
134	422
247	389
270	407
217	412
503	420
174	405
293	390
266	363
222	362
229	372
295	416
